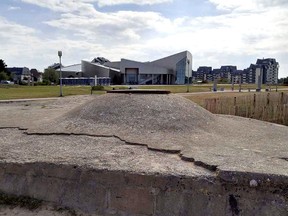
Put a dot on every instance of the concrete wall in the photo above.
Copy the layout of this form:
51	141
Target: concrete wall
117	193
171	61
115	65
90	70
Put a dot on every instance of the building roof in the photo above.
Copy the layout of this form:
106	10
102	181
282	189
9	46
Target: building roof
266	61
18	70
72	68
103	66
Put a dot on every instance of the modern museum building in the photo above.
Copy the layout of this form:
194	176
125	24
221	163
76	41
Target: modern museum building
174	69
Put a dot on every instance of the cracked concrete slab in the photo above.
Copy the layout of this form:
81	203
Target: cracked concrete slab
147	135
94	152
167	123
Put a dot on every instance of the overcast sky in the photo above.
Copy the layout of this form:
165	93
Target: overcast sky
216	32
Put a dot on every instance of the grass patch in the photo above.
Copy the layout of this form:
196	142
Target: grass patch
19	92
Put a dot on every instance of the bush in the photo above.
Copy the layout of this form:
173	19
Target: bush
45	82
23	83
98	88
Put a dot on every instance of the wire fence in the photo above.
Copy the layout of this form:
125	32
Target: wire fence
272	107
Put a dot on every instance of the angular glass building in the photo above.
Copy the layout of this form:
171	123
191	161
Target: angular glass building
174	69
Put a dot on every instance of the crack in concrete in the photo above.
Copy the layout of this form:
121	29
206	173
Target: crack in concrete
212	168
169	151
284	158
12	127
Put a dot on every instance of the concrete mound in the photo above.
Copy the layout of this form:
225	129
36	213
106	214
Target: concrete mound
145	119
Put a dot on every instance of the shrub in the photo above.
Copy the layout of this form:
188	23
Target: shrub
98	88
46	82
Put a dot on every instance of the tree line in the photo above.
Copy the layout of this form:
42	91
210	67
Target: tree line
4	74
50	75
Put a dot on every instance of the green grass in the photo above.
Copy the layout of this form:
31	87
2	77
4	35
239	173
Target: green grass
201	87
19	92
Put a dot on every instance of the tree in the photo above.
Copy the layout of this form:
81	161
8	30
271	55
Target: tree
2	65
3	76
285	81
50	75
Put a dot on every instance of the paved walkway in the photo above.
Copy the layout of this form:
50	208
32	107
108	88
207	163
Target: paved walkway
28	99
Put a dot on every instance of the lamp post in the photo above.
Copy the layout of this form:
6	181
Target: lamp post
188	62
60	76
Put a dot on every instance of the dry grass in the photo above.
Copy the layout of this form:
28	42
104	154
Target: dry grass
268	106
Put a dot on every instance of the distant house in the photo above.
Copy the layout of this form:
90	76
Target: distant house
36	76
20	74
265	71
203	73
270	69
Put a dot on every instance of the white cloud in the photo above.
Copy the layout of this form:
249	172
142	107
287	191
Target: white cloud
87	5
102	3
243	33
64	5
122	26
247	5
11	8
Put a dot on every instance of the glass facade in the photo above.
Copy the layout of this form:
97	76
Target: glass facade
181	72
86	81
149	79
145	79
132	79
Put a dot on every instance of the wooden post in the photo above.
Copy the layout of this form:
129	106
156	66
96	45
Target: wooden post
214	107
235	106
254	106
268	99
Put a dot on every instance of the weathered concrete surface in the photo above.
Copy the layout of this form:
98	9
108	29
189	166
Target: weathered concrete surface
175	124
215	165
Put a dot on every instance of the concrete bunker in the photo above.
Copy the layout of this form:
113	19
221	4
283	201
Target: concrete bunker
147	154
